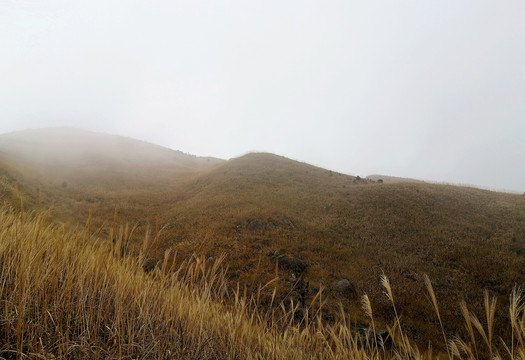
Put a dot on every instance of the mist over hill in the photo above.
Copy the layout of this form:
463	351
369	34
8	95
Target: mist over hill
75	148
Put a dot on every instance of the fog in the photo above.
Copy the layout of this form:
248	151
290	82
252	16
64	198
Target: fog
423	89
64	149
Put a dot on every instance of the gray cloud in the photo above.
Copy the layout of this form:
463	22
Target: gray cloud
432	90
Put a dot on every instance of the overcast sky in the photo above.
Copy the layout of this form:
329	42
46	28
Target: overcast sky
426	89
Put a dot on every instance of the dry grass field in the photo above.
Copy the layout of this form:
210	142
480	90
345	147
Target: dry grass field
264	220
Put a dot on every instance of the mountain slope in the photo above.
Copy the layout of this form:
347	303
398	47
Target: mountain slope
263	210
261	206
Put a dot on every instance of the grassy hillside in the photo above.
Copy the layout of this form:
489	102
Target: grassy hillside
317	227
70	293
74	170
260	205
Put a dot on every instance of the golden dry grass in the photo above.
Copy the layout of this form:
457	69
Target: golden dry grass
69	293
66	293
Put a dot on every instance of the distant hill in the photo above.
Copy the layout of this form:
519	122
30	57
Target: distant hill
266	211
63	164
66	149
391	179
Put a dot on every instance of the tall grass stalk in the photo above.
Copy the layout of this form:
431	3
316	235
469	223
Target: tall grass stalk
432	294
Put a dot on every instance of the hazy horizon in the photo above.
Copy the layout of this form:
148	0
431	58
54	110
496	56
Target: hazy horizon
423	90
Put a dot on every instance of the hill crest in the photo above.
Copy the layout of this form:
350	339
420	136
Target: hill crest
74	147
